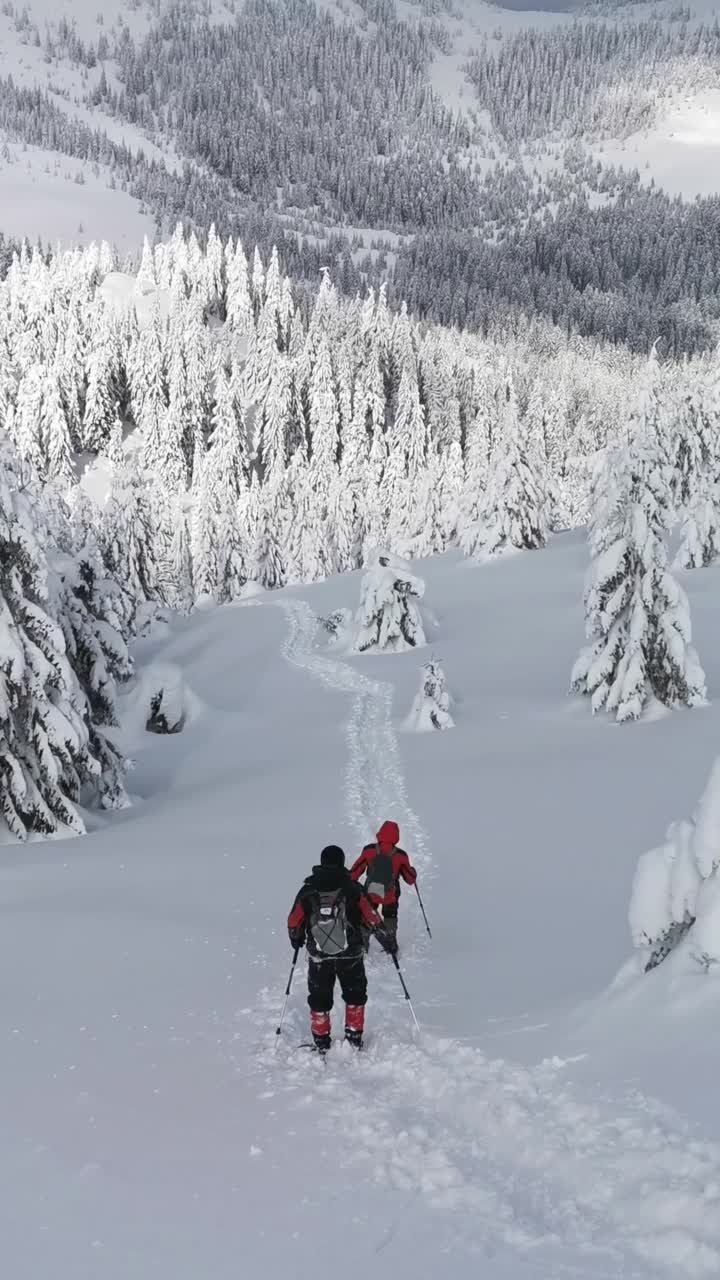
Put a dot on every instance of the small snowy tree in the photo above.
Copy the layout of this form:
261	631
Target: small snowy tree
637	615
388	619
431	707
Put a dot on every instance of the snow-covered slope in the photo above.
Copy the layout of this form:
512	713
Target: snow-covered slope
45	194
149	1127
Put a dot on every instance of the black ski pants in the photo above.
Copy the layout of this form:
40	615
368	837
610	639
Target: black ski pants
350	973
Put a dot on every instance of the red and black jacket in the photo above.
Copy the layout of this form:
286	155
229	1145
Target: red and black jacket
359	913
387	838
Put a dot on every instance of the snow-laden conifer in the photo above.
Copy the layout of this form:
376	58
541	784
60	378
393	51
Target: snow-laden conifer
101	394
431	706
388	619
513	512
182	588
696	482
51	758
637	615
131	534
268	562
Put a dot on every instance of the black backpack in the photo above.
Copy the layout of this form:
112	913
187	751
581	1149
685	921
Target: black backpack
328	922
380	876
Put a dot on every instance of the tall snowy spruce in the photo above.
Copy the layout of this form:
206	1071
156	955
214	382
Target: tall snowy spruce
90	607
388	619
513	513
637	615
131	537
51	756
696	486
431	706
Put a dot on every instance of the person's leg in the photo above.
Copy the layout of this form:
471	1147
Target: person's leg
353	984
321	982
390	919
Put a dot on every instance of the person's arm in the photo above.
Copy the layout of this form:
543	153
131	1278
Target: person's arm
374	922
296	924
408	872
359	866
370	917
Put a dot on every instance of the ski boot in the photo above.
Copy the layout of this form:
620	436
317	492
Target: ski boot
390	924
354	1024
320	1026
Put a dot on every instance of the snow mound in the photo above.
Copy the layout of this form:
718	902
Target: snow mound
158	701
676	895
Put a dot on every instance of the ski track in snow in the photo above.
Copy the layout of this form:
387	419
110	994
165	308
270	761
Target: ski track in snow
518	1159
374	782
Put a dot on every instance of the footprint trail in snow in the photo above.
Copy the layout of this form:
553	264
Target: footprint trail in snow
520	1160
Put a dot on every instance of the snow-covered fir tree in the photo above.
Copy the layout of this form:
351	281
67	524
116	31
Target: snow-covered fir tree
388	619
101	394
52	757
513	513
431	706
696	486
182	593
637	615
131	534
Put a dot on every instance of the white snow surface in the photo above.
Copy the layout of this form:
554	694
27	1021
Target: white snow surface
681	152
540	1126
58	199
40	195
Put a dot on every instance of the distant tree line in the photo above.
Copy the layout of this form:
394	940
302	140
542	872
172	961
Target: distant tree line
324	137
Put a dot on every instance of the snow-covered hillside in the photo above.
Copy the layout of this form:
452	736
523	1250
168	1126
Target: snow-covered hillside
149	1127
46	194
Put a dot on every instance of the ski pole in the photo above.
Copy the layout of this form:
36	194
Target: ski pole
287	992
405	990
427	926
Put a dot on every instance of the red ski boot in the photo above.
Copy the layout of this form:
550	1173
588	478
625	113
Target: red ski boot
354	1024
320	1026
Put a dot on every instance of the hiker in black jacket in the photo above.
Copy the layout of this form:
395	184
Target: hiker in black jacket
328	916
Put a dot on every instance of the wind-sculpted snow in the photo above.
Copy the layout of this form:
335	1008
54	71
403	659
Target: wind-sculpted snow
519	1164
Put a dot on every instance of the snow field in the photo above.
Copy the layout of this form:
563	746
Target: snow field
150	1127
538	1168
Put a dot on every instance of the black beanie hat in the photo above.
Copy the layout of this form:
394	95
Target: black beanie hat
332	856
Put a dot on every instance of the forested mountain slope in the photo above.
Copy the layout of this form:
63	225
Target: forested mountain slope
333	135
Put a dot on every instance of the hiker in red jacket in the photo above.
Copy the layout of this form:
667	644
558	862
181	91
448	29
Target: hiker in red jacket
330	915
385	865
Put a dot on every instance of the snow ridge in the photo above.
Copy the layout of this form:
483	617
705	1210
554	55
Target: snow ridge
517	1163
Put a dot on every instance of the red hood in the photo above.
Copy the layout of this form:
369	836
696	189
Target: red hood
388	836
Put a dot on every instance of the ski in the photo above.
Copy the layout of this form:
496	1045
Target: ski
305	1044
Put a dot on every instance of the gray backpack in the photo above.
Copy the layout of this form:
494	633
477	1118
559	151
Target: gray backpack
328	922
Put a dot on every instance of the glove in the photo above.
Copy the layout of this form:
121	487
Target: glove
297	938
